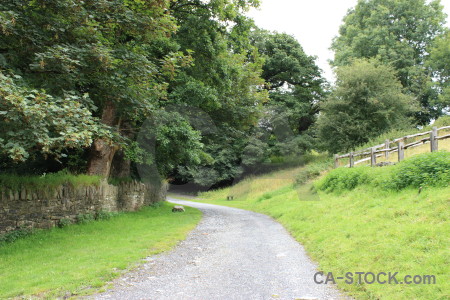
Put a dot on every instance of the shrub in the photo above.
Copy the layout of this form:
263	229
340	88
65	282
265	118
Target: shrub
157	204
105	215
85	218
12	236
345	179
430	169
64	222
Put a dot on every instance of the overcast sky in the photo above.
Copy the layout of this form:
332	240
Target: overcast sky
313	22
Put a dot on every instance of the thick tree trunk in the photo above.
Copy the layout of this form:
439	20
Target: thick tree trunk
102	152
121	166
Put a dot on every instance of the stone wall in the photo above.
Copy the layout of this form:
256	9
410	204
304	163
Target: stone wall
44	208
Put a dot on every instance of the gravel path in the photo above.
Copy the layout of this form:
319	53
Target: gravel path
232	254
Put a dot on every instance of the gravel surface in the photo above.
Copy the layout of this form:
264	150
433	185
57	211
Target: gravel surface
232	254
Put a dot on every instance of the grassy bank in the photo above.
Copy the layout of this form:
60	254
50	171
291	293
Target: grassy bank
79	259
46	181
363	227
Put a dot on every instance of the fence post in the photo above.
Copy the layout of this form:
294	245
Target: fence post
401	150
387	145
352	160
336	161
433	140
373	157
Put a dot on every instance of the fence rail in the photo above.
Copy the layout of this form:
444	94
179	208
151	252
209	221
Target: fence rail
385	149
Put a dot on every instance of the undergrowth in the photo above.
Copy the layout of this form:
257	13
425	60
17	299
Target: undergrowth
424	170
46	181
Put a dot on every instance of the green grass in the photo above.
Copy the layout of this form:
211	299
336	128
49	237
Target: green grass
364	229
80	259
46	181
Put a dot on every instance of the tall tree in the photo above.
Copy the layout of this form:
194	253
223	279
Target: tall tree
366	102
294	83
396	32
224	82
439	62
94	50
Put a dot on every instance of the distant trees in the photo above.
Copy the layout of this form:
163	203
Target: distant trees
366	102
397	33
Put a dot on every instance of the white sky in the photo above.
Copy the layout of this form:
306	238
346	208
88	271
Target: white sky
314	23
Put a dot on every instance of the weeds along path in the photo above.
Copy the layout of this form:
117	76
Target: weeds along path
232	254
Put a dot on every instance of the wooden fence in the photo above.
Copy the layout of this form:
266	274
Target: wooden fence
432	137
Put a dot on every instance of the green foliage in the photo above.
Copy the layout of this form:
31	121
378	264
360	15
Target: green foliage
96	71
15	235
119	180
35	121
223	85
425	170
64	222
439	62
295	88
442	121
85	218
105	215
431	169
46	181
397	33
75	59
345	179
397	133
366	102
157	204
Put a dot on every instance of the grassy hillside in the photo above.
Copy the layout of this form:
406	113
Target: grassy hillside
410	152
361	225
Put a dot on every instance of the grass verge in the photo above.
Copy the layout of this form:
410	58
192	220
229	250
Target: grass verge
80	259
364	229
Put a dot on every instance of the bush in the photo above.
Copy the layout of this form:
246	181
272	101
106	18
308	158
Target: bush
157	204
12	236
105	215
64	222
345	179
429	169
85	218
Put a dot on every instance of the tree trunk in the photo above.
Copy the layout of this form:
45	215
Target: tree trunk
102	152
121	166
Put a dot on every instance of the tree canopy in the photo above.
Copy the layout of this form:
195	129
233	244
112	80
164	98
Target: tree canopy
295	87
366	102
398	33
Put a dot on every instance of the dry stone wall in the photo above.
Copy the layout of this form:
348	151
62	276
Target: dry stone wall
45	208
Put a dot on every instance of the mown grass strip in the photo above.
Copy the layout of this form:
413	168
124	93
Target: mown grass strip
80	259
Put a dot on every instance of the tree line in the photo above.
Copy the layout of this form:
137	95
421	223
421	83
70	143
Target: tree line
196	92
